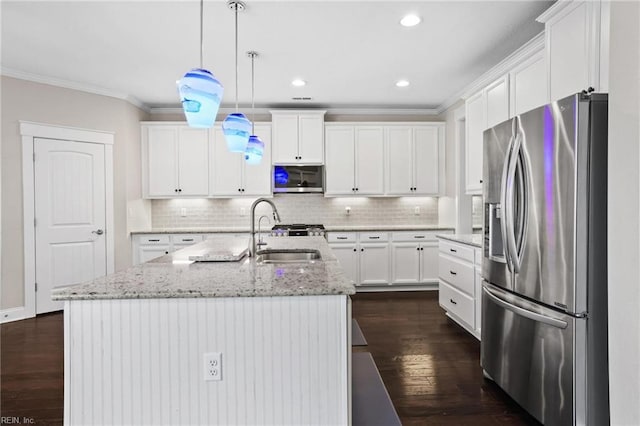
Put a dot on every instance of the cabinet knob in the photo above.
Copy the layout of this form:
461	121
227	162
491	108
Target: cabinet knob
421	248
417	248
353	189
361	249
179	190
242	189
480	180
175	190
166	252
239	190
355	250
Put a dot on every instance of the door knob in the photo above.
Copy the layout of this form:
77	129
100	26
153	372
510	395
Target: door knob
98	232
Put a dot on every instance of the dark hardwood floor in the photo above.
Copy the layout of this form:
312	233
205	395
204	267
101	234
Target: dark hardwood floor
429	365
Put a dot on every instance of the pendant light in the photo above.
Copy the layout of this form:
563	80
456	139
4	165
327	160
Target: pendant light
236	127
200	92
255	147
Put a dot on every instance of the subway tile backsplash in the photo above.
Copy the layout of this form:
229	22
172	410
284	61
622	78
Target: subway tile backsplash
295	208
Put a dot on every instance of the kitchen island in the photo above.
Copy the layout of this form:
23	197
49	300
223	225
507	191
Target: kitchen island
135	341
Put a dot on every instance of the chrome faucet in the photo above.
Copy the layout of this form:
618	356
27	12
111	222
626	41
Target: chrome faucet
261	243
276	217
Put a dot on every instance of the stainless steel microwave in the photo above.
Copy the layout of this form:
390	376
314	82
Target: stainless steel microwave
298	179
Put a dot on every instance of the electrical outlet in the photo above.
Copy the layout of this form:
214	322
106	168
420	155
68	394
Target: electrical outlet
347	210
183	212
416	210
212	366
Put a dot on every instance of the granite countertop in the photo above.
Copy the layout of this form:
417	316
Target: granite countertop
174	276
334	228
470	239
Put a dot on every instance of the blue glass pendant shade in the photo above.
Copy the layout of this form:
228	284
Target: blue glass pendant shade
255	150
200	94
236	128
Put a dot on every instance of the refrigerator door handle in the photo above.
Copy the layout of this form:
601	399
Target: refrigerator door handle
503	205
524	312
510	236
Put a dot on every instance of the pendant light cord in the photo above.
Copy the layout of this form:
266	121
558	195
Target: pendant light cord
201	31
253	86
236	8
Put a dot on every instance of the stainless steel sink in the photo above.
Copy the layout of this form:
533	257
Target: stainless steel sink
287	256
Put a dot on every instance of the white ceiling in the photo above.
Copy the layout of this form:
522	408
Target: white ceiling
350	53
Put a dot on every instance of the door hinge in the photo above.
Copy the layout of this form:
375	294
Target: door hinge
36	284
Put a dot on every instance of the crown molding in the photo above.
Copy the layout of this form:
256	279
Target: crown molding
87	88
329	111
531	47
554	10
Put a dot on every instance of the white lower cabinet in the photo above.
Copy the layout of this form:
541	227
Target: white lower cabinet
147	247
460	288
414	257
387	259
363	256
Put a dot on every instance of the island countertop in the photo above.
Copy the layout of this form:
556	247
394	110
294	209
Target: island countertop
174	276
474	240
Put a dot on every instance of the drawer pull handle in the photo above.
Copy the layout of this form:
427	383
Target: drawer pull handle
453	273
418	236
342	238
187	239
453	301
453	250
374	238
155	241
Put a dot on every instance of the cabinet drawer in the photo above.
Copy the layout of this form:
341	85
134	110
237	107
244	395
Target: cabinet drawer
457	303
371	237
185	239
458	250
154	239
417	236
457	273
341	237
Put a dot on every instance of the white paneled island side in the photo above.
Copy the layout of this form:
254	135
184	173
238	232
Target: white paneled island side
135	341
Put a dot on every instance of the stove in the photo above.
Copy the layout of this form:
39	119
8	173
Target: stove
298	230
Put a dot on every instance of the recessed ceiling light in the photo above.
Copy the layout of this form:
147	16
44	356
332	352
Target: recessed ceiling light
402	83
298	82
410	20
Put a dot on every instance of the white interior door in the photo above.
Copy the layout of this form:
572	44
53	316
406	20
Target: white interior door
70	208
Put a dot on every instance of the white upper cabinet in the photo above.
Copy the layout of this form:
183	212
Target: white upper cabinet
298	137
528	84
354	160
231	176
497	102
475	122
574	39
415	159
174	161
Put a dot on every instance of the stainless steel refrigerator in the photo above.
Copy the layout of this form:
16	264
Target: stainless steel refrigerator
544	295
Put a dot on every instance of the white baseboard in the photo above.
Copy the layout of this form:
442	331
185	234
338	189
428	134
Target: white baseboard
396	287
14	314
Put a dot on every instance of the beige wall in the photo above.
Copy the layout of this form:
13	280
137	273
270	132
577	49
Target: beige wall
24	100
623	208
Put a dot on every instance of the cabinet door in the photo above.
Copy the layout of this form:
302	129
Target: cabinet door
369	163
426	160
257	178
374	264
399	161
475	125
429	262
226	173
569	42
162	162
193	161
497	102
405	263
340	163
347	255
529	85
285	139
478	300
311	138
